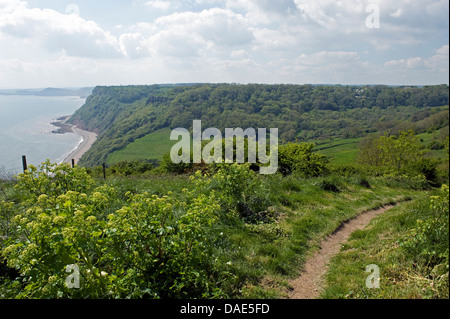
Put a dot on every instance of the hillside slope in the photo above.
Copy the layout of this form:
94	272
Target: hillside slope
120	115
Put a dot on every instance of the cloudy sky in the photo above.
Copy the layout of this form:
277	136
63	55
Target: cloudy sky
73	43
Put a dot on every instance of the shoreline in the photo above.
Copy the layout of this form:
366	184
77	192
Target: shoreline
62	126
88	138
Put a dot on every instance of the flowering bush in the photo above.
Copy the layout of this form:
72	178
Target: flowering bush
53	180
154	246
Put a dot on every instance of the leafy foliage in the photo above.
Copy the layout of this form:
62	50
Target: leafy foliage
170	167
301	159
242	191
214	235
120	115
128	168
391	151
53	180
428	242
151	247
141	246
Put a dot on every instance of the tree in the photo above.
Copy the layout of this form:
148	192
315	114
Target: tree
446	145
369	153
391	151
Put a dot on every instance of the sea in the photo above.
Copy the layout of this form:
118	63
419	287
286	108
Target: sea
26	129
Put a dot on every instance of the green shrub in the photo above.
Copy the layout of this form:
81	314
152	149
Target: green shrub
428	242
417	182
360	180
167	166
328	185
427	168
53	180
130	168
166	241
299	158
391	152
238	188
154	246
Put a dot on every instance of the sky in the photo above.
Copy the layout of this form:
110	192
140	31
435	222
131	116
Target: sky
78	43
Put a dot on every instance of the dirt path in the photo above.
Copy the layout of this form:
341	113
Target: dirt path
308	285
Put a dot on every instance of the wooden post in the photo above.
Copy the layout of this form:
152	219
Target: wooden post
24	163
73	163
104	171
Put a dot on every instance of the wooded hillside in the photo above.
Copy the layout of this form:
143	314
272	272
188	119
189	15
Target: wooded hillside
120	115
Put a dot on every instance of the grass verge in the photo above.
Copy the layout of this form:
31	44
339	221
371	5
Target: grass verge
409	245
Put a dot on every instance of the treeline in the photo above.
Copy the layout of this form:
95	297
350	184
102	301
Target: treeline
301	112
402	156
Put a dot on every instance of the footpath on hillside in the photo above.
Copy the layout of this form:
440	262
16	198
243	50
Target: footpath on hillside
310	282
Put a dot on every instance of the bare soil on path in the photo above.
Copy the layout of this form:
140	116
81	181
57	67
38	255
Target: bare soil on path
310	282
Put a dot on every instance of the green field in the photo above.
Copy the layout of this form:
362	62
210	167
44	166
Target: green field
151	146
156	144
426	140
340	151
345	151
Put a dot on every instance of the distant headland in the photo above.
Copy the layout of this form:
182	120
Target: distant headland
80	92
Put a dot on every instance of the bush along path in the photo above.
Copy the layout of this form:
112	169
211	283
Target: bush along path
310	282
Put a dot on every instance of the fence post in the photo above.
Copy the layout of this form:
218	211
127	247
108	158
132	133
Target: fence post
24	163
104	171
73	163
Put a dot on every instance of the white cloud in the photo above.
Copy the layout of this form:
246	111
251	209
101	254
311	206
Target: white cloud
161	4
440	61
239	54
188	34
263	11
56	32
437	62
397	13
344	67
220	26
434	68
295	41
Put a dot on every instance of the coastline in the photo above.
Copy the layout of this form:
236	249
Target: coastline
88	138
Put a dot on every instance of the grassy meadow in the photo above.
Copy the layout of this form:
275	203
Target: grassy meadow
339	150
152	146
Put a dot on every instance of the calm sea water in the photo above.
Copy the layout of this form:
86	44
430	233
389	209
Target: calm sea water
25	129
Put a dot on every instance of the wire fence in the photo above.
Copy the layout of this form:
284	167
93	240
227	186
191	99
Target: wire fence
8	174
